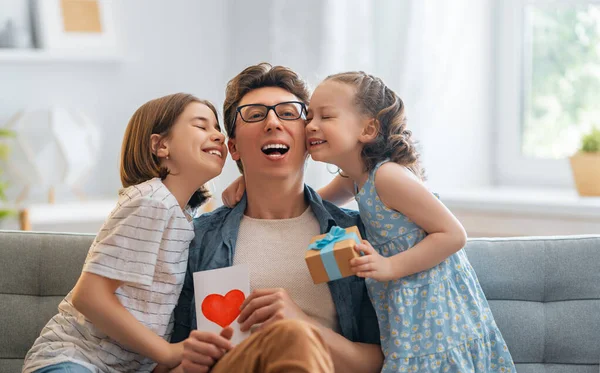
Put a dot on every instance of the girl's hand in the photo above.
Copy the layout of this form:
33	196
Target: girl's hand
234	193
203	349
371	264
175	354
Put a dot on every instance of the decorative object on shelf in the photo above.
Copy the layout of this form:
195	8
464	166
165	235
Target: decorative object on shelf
585	165
75	25
4	150
15	24
52	148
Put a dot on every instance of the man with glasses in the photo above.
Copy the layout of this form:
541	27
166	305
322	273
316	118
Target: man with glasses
290	110
297	326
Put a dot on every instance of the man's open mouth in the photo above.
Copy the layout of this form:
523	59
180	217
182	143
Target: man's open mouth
275	149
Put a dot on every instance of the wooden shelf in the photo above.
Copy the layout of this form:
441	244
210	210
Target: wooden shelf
39	55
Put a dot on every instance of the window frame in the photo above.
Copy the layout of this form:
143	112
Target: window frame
512	168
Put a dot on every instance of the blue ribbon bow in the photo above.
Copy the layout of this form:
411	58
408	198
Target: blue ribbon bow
325	246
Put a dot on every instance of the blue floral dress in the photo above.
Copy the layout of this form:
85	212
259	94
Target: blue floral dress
437	320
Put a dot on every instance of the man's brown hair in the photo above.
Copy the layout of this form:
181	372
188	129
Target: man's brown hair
255	77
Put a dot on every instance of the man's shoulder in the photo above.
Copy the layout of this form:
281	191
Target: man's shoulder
208	233
344	217
217	214
340	213
209	225
211	221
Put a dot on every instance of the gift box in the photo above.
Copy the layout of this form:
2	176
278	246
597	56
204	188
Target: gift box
328	256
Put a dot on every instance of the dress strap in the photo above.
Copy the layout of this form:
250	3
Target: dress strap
372	174
371	178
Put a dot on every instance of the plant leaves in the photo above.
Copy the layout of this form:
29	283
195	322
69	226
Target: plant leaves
4	150
4	213
6	133
590	143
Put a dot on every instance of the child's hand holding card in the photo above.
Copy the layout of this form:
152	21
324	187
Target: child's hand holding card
219	294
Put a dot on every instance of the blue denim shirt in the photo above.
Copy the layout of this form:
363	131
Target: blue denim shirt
214	245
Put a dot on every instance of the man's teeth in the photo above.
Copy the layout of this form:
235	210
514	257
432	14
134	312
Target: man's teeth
215	152
317	142
275	146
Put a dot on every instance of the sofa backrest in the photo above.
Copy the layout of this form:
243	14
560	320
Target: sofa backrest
544	293
36	271
545	296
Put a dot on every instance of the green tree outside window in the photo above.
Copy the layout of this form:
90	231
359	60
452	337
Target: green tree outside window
562	77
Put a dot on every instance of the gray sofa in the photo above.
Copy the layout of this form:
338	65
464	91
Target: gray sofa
545	294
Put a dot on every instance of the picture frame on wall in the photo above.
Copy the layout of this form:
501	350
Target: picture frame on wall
75	25
15	24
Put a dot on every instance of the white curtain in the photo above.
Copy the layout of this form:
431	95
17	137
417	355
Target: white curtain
435	54
318	38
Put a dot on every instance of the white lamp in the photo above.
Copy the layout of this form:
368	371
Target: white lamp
52	147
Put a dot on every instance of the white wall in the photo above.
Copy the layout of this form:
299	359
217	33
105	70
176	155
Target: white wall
166	47
196	46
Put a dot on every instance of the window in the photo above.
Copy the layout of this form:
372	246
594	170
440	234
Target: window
548	79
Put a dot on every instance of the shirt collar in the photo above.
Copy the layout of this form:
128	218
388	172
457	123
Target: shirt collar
232	221
323	216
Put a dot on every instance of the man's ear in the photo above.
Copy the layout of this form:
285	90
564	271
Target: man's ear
159	146
233	149
370	131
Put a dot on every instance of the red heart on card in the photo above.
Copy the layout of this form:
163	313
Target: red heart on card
223	310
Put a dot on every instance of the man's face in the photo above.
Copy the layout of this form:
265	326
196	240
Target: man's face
272	148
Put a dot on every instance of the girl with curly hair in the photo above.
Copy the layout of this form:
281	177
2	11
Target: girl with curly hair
433	315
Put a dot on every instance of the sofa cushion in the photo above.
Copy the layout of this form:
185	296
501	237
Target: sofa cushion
545	295
36	271
544	292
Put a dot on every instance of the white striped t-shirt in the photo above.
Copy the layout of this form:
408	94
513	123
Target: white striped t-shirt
144	243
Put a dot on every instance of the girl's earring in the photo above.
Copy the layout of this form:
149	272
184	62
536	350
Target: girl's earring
167	158
336	172
332	172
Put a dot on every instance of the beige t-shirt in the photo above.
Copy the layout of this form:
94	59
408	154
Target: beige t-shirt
274	252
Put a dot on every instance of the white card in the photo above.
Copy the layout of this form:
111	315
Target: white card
219	293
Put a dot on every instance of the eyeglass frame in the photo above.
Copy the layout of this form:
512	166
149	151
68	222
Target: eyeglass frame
303	110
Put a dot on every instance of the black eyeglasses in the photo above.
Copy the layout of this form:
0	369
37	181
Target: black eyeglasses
289	110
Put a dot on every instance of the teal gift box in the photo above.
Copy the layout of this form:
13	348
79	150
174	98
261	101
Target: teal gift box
328	256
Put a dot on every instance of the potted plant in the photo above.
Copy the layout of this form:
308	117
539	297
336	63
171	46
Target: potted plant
586	165
4	212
